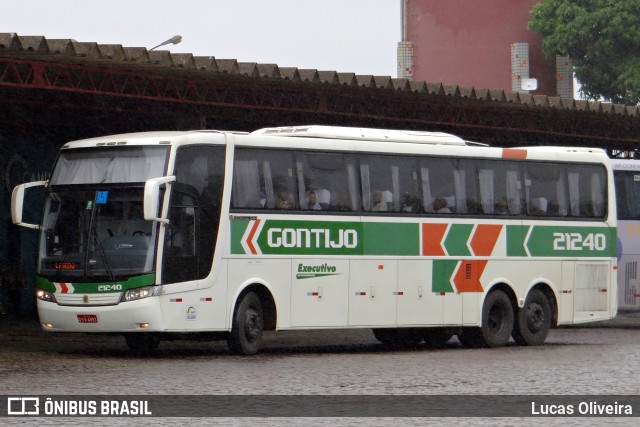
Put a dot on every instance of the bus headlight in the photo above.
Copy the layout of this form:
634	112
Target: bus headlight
140	293
44	295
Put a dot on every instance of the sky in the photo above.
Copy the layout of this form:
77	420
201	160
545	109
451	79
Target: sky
358	36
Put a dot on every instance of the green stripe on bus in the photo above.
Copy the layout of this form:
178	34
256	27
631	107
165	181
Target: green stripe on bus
238	227
388	238
561	241
515	240
100	287
353	238
441	275
456	241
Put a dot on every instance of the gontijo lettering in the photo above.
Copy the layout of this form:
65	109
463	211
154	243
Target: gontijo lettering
312	238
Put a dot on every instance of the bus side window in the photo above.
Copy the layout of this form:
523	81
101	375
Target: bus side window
389	184
333	179
194	212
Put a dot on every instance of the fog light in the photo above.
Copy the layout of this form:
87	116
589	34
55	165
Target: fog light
47	325
143	325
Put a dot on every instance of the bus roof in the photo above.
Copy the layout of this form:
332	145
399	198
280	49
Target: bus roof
362	134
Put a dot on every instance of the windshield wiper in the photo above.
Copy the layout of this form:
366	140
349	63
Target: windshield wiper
103	255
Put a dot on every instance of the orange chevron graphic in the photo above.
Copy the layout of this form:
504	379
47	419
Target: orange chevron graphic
484	239
432	235
251	236
467	278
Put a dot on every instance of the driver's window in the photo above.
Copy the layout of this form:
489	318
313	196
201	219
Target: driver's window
194	213
179	236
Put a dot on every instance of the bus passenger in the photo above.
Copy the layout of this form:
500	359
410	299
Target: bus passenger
312	202
283	201
440	205
538	206
409	203
379	205
502	208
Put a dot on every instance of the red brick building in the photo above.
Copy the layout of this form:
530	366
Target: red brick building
479	43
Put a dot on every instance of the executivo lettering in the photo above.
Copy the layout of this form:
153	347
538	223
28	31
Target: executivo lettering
310	271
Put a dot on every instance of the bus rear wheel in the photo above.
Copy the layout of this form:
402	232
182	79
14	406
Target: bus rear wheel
142	343
247	327
497	323
533	320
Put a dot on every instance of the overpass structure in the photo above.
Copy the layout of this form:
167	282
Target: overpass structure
53	91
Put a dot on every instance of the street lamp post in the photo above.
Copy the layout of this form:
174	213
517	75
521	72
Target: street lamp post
172	40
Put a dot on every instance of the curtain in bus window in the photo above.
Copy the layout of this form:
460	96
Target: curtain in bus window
574	193
427	200
366	187
129	169
353	186
246	184
487	199
562	195
395	183
597	194
514	199
269	195
461	190
81	170
302	192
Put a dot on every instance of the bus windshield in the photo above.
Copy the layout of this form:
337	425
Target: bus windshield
95	234
109	165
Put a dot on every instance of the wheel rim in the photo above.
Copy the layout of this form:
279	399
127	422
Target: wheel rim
535	317
495	320
252	325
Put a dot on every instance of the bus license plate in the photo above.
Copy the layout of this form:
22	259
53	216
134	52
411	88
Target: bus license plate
87	318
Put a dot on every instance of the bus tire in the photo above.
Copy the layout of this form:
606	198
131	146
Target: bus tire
142	343
436	337
497	323
247	327
533	320
398	337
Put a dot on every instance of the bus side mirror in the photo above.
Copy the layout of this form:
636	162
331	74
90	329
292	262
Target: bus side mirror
17	203
152	197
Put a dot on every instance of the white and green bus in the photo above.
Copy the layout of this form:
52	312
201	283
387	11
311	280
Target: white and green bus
416	235
627	183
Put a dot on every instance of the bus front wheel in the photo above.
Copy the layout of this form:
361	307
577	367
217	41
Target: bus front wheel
533	320
497	323
247	327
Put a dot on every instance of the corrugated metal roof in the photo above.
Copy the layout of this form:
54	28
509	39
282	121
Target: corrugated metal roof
68	50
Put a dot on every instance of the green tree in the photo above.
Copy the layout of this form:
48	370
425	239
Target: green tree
602	38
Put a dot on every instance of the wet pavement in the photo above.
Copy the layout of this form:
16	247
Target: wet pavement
595	359
23	333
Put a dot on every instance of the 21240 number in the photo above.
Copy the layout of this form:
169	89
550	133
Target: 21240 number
578	242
